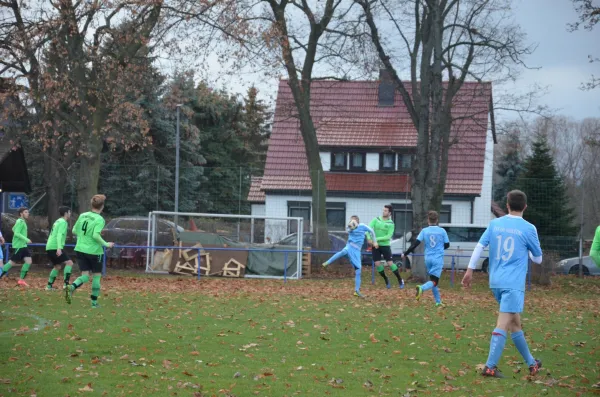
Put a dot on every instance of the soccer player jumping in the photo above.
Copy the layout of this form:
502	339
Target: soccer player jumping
384	230
356	238
89	249
436	241
55	246
21	252
512	241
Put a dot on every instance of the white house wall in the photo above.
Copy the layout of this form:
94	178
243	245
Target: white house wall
258	210
483	214
365	208
325	160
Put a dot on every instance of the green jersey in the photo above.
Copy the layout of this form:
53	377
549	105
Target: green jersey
58	235
596	241
87	229
384	230
20	234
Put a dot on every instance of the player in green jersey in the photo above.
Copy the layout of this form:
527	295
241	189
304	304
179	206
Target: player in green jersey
55	248
90	249
595	250
20	252
384	230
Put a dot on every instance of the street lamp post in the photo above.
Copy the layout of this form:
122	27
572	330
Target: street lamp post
177	166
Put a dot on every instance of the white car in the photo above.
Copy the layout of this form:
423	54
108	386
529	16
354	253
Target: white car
463	239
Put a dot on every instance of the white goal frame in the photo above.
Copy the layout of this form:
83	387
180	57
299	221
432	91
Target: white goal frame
152	237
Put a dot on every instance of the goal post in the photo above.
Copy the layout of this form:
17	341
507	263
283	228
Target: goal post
256	236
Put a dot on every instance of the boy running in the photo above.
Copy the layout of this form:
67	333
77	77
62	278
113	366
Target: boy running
512	241
436	241
384	230
21	252
89	249
356	238
55	246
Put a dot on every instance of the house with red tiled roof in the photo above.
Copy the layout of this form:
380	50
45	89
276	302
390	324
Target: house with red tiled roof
367	147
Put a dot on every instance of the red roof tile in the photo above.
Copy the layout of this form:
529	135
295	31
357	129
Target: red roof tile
342	182
256	194
347	114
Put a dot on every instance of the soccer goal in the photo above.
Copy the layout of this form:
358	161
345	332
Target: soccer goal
225	245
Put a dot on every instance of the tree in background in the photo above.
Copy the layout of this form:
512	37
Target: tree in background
548	205
508	166
257	131
589	15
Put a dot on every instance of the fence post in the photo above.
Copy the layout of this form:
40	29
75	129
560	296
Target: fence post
285	267
104	262
452	272
199	263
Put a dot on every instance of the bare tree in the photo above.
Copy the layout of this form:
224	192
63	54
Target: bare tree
445	43
311	41
589	15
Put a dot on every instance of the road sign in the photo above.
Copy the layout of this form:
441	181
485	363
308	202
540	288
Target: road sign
17	200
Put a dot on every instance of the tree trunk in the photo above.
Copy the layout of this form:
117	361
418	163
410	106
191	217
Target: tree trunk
54	180
89	174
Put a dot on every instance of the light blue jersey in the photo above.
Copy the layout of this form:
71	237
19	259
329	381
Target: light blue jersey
356	237
510	239
434	238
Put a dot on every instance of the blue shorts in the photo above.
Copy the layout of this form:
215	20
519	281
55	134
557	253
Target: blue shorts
434	267
355	258
510	300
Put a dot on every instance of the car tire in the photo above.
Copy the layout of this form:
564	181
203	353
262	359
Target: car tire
485	265
575	270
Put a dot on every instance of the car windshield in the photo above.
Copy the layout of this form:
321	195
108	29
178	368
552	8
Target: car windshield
289	240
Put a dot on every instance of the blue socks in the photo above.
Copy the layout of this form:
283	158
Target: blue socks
427	286
496	347
357	273
436	294
521	344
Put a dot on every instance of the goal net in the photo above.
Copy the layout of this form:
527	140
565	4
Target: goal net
225	245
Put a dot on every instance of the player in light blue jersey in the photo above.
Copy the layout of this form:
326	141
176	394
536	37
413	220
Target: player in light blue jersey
356	238
436	241
512	241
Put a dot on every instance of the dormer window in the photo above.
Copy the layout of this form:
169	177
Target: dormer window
339	161
358	161
405	161
387	161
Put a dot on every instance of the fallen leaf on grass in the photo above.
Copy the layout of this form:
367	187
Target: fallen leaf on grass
187	373
5	381
458	327
12	359
87	388
166	364
423	363
372	337
124	357
194	353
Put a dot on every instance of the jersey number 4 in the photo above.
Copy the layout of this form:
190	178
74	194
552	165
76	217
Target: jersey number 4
508	248
84	227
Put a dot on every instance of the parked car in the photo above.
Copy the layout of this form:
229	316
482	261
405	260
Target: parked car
571	266
463	240
134	229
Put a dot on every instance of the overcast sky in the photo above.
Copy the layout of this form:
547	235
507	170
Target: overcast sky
561	56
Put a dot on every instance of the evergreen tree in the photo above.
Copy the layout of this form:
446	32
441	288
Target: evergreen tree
548	205
256	139
509	166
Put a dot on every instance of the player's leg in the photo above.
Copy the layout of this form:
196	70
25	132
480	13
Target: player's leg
435	279
355	260
516	299
424	287
498	340
85	263
26	265
52	277
335	257
387	254
95	288
67	272
377	254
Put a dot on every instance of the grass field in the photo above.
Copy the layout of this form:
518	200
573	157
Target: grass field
222	337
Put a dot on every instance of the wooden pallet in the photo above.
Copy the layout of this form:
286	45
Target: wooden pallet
233	268
188	261
306	262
